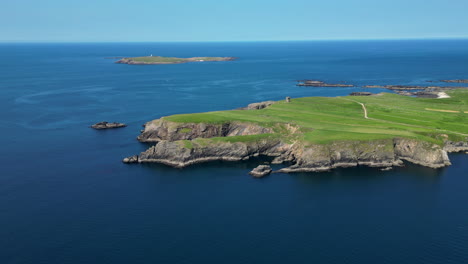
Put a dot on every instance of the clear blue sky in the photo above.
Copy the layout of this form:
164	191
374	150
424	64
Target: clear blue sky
233	20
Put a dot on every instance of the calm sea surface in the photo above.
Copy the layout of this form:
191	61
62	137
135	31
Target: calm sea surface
65	196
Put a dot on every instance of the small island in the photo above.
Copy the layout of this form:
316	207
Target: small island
108	125
316	133
149	60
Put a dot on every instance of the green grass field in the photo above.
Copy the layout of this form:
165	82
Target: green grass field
324	119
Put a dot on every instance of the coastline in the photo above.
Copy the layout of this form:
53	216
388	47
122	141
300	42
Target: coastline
183	143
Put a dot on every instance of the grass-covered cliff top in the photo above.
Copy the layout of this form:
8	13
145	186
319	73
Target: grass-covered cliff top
170	60
324	119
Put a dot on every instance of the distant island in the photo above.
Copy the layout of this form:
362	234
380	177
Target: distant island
149	60
316	133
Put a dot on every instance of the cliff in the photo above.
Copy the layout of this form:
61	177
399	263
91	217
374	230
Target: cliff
316	134
183	144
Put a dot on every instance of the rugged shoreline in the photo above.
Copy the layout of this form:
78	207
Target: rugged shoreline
178	147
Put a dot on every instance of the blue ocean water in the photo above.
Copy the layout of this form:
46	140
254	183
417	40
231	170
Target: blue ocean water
65	196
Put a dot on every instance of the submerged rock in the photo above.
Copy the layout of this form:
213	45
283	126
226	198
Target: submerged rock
107	125
261	171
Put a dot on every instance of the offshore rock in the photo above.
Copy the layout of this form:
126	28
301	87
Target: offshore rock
131	159
260	171
107	125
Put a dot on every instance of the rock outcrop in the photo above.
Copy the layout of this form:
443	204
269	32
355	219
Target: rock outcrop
159	130
107	125
257	106
451	146
260	171
183	153
131	159
422	153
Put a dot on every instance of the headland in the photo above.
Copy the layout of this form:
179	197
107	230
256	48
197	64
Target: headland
317	133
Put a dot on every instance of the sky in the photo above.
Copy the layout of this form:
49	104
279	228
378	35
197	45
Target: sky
233	20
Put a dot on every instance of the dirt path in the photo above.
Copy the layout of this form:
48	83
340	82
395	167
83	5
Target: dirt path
363	107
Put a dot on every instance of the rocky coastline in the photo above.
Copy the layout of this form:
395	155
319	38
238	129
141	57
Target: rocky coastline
183	144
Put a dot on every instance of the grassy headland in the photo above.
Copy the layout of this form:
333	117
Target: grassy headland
322	120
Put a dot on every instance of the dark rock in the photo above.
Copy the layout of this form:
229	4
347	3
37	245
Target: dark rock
315	83
258	106
161	129
361	94
107	125
451	146
261	171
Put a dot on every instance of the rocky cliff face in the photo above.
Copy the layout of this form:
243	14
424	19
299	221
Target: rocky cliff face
183	144
451	146
159	130
422	153
176	146
379	153
178	154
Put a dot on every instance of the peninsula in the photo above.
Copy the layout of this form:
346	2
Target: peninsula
148	60
317	133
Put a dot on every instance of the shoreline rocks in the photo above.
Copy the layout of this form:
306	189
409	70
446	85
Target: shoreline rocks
261	171
131	159
312	158
107	125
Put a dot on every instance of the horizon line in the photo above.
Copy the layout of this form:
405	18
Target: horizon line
221	41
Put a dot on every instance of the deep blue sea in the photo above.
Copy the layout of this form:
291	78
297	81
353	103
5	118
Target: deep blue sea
66	197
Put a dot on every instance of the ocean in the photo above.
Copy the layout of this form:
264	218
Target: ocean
66	197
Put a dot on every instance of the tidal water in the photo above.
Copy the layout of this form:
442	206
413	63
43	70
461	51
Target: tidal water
65	196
